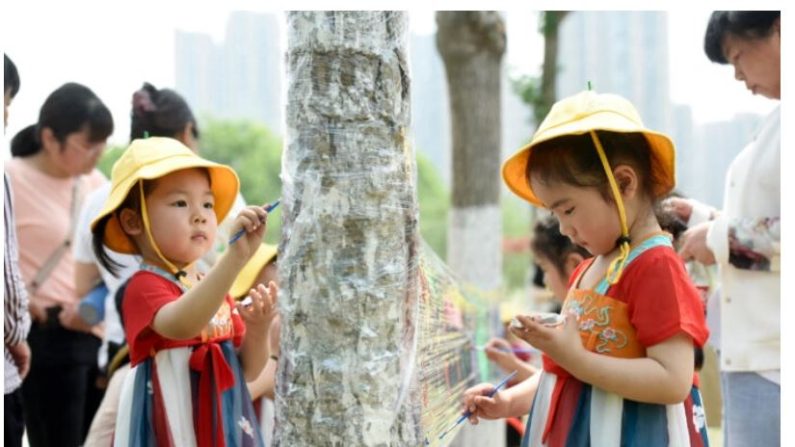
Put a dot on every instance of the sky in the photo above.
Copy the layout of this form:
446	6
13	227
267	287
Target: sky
113	46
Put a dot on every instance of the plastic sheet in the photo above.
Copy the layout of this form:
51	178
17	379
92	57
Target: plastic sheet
377	339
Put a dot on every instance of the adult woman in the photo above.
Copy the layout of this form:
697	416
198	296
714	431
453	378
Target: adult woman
52	170
744	237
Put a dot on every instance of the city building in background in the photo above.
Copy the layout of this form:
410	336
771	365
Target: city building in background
241	77
626	52
623	52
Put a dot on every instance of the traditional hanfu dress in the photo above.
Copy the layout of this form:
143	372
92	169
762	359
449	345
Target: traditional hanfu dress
652	301
182	393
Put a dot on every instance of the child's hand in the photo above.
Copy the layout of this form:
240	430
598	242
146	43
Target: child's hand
252	219
481	406
260	311
499	351
561	343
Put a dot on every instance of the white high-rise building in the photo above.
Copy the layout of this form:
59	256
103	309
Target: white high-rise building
241	77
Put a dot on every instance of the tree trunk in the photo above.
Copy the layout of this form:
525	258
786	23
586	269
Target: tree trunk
550	27
472	45
348	255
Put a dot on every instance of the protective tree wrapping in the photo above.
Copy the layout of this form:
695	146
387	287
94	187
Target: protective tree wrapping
348	256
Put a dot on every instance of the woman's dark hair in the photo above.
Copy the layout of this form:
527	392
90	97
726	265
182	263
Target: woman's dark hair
573	160
743	24
10	77
159	113
69	109
551	244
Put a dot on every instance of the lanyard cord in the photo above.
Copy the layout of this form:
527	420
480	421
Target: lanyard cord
617	265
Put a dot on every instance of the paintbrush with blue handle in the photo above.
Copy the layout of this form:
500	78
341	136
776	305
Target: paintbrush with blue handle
268	208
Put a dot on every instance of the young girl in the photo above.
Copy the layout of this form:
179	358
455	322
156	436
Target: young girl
619	371
186	386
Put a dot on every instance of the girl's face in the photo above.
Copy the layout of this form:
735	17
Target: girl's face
181	216
76	155
757	62
585	217
553	278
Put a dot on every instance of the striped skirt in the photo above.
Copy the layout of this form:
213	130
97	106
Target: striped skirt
159	405
588	416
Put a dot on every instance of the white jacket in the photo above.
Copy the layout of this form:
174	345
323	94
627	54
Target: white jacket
751	291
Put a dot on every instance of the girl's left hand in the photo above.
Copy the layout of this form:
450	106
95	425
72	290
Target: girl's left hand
561	343
262	308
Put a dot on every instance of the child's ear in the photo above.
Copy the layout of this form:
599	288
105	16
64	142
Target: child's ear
627	180
571	262
130	222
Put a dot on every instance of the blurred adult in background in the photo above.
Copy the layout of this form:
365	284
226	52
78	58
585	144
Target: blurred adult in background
17	318
52	170
744	237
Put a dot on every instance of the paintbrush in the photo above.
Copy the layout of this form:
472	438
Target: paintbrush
469	413
268	208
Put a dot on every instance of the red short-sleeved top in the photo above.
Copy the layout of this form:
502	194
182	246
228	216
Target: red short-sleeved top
146	293
661	299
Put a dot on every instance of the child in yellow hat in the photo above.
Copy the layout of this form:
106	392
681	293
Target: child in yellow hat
186	386
262	269
619	371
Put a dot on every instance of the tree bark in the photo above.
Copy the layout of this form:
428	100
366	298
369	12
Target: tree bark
348	256
472	45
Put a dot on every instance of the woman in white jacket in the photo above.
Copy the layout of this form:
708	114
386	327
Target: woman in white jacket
744	237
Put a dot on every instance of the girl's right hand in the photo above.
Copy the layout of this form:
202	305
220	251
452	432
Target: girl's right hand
253	219
481	406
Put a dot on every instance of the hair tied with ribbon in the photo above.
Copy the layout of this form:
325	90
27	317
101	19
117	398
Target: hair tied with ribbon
142	102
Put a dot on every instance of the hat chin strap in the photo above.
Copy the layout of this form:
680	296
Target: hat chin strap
180	274
616	267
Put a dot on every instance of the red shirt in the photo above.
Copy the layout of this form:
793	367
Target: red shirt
146	293
661	299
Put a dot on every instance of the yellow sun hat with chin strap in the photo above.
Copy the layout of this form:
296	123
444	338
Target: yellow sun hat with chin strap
245	279
152	158
585	113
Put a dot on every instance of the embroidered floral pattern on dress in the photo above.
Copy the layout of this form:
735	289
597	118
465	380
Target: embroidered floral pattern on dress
699	418
245	425
608	338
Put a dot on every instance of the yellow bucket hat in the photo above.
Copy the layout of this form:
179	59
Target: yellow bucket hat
152	158
245	279
586	113
583	113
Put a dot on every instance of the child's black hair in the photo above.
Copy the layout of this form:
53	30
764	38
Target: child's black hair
573	160
551	244
133	202
159	113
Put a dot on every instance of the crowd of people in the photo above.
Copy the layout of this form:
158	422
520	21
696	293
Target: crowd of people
187	346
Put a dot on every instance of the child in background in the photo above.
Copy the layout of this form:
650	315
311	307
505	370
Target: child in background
557	257
619	370
186	386
262	269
